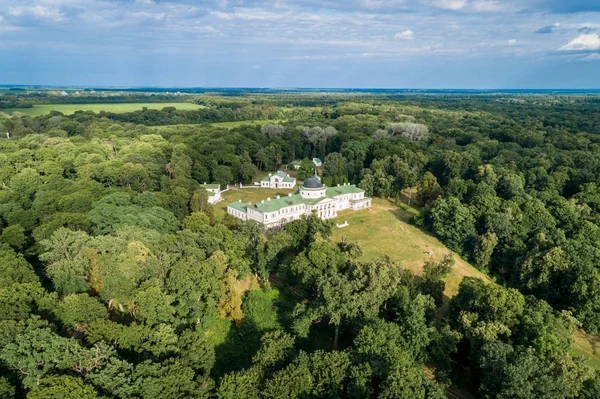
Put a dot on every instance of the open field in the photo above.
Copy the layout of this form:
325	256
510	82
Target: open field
69	109
383	230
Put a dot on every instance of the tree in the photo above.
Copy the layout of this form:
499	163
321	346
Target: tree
79	309
434	275
14	236
428	188
335	169
412	131
484	249
64	386
307	169
453	222
271	131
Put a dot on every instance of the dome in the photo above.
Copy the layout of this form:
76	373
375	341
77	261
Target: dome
312	182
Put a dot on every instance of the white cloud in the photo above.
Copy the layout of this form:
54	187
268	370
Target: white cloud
512	42
487	5
40	12
450	4
592	57
586	42
405	35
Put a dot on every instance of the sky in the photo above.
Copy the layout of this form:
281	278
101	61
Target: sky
479	44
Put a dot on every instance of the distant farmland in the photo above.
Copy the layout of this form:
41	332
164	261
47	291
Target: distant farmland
68	109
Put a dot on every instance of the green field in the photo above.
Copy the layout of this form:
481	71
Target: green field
69	109
384	230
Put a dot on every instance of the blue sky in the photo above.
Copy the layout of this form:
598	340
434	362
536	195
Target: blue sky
302	43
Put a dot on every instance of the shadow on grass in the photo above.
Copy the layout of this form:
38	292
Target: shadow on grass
594	341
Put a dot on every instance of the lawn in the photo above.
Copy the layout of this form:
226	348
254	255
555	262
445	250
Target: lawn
247	194
384	230
588	346
68	109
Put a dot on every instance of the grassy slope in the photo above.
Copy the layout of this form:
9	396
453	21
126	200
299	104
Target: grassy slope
588	346
68	109
384	230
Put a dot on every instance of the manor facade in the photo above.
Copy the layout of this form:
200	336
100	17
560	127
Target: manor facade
312	196
278	180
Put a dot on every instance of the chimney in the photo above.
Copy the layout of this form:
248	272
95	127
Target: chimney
262	201
277	197
289	194
269	199
338	184
239	200
288	175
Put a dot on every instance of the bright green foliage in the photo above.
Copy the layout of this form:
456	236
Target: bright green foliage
116	210
62	387
152	305
14	236
6	389
14	269
434	275
428	188
79	309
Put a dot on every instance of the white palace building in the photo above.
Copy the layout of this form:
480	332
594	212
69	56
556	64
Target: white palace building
312	196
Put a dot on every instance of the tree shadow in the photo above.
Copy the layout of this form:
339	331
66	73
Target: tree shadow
593	340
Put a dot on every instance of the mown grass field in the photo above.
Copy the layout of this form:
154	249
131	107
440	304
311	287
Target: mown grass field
69	109
384	230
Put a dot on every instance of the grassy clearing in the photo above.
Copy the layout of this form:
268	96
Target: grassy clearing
69	109
384	230
588	346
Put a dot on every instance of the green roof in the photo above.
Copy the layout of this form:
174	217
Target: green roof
281	174
240	206
347	189
276	204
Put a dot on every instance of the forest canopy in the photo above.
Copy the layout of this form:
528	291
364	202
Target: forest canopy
119	280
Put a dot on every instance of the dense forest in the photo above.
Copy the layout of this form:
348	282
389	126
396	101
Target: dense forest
119	280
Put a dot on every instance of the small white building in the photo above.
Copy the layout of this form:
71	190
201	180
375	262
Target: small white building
214	192
317	162
312	196
278	180
294	165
